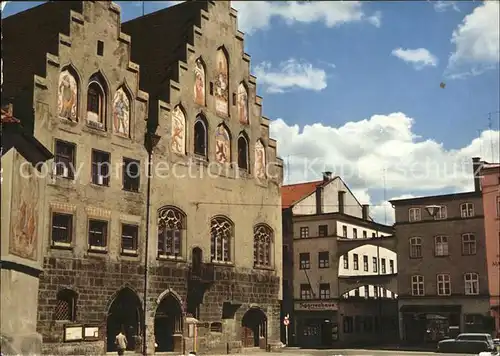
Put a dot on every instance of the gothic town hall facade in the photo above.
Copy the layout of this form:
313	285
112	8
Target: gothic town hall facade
162	202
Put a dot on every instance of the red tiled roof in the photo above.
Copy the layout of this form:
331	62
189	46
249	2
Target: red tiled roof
292	193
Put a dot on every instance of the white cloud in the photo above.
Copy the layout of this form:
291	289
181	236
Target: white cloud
290	74
419	57
360	151
255	15
442	6
477	41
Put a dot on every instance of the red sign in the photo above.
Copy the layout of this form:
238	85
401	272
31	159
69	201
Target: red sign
286	322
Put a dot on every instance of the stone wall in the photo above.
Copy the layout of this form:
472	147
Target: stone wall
97	281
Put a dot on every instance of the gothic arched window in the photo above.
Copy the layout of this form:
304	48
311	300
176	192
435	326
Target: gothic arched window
200	137
262	242
222	232
243	152
171	228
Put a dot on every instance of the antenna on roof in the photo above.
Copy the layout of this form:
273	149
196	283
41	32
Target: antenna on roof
480	143
385	198
143	7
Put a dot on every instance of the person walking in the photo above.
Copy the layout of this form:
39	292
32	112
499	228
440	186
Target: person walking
121	343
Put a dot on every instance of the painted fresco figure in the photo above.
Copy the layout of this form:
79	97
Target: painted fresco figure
199	87
67	96
121	112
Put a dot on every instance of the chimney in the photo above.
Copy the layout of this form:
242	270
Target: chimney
341	201
327	176
319	199
366	211
476	167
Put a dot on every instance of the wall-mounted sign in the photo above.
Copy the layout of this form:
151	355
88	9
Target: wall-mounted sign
316	306
73	332
91	332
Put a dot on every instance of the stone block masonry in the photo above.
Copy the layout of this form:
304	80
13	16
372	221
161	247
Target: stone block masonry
97	281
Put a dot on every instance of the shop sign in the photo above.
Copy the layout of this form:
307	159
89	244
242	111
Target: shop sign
316	306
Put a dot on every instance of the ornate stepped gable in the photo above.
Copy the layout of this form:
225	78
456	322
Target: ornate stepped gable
52	24
177	27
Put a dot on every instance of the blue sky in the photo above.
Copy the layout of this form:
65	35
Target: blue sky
370	74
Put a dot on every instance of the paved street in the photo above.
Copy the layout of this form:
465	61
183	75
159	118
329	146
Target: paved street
349	352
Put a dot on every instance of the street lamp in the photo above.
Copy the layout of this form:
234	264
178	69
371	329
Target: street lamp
432	209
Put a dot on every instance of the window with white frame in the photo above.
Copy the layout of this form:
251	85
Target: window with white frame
471	281
374	264
391	266
416	247
355	261
367	291
467	210
324	259
346	261
324	291
344	231
304	260
382	266
468	244
305	291
414	214
443	284
417	285
441	246
354	233
441	213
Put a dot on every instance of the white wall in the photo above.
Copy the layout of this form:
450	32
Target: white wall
371	292
330	201
371	252
360	229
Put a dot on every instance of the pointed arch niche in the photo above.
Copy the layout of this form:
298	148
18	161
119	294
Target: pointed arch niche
178	133
68	94
242	104
260	159
222	144
121	112
243	161
97	101
199	82
222	82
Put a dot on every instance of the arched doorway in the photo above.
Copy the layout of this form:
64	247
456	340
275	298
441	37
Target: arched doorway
168	325
124	314
254	328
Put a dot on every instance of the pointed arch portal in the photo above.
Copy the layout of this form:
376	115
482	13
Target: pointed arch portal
254	327
124	314
168	324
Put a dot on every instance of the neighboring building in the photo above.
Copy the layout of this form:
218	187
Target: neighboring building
442	277
490	187
22	200
343	270
213	241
